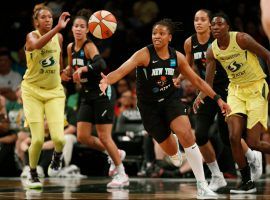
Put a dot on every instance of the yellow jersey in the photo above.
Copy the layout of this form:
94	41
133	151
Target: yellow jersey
43	65
242	66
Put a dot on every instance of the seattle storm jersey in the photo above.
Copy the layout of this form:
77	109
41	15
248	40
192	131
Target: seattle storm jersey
43	66
89	80
154	82
199	55
242	66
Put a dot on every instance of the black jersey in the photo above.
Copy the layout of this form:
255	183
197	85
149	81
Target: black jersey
154	82
199	55
89	80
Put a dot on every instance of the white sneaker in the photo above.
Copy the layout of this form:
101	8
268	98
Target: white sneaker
40	172
25	172
204	192
112	169
256	168
177	158
217	182
118	181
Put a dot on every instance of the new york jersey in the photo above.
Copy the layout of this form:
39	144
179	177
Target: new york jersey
154	82
199	55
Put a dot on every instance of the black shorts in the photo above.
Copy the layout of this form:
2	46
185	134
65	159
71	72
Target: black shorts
95	111
157	116
205	118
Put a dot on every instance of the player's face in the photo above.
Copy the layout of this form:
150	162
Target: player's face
44	20
201	22
161	36
79	29
219	27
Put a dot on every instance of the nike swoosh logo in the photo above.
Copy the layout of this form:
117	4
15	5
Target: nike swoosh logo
154	61
195	46
105	111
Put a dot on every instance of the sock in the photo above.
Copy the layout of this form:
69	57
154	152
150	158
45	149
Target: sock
194	158
120	169
250	155
57	155
33	172
245	173
68	148
214	168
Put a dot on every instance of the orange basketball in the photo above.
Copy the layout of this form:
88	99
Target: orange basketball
102	24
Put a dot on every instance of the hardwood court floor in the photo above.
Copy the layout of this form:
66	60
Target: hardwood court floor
140	188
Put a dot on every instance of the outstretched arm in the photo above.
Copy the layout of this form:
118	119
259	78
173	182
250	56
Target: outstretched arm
33	41
139	58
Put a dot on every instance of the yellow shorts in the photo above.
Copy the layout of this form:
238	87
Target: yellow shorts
38	102
251	100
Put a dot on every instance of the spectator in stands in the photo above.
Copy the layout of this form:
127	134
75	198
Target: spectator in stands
8	138
9	79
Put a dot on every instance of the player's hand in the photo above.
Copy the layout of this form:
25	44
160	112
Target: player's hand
196	104
63	19
177	82
103	83
225	108
66	74
77	75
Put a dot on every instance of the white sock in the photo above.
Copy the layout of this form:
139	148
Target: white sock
68	148
120	169
250	155
214	168
195	161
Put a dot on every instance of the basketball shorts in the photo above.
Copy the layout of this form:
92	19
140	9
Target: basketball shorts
251	100
157	116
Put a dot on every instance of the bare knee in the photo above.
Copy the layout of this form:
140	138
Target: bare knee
186	137
83	139
105	138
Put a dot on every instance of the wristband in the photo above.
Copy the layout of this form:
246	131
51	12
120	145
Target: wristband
216	97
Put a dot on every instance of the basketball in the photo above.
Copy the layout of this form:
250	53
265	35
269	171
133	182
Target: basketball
102	24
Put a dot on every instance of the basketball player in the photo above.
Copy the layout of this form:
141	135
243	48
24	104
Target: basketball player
42	91
195	49
85	60
247	92
158	103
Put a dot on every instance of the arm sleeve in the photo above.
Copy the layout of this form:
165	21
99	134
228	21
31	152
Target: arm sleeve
98	65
